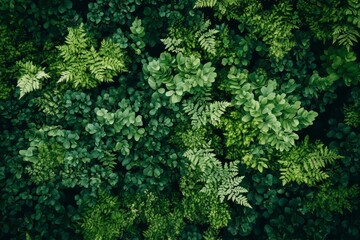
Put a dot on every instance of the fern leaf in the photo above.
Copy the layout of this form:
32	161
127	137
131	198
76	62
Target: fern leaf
173	45
205	3
208	44
216	110
202	113
207	39
86	67
66	76
306	163
219	180
31	77
108	160
345	36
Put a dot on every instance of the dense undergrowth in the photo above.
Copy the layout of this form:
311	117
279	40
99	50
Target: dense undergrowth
181	119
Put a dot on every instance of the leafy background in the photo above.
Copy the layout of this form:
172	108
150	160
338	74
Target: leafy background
206	119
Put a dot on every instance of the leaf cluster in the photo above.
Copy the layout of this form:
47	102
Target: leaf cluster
305	163
83	66
176	76
275	115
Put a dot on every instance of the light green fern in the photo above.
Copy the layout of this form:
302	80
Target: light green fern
333	199
31	76
305	163
345	35
230	187
216	179
201	112
173	45
85	67
105	219
206	37
187	40
204	3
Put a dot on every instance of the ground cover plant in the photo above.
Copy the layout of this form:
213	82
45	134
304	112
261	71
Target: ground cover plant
180	119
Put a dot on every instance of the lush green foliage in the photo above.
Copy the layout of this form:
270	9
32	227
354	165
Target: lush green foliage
31	77
85	67
304	164
195	119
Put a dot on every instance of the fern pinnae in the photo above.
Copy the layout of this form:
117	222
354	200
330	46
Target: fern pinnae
306	163
202	112
205	3
86	67
30	78
217	179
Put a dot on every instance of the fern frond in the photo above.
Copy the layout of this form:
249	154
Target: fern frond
205	3
345	35
230	185
306	163
202	113
172	44
208	44
200	158
210	33
216	110
66	76
202	28
206	37
31	77
217	179
77	39
86	67
333	199
108	160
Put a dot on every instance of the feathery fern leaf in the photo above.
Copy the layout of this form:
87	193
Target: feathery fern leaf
206	37
187	40
31	77
172	45
201	113
216	179
345	35
333	199
305	163
230	186
83	65
207	42
204	3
